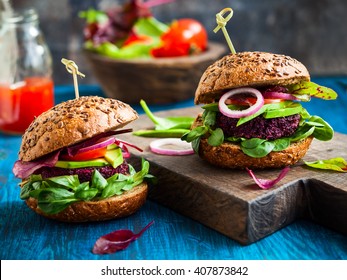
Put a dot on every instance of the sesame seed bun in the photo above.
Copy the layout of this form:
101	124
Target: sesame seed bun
253	69
71	122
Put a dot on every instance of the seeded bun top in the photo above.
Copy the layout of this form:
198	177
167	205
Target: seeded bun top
254	69
71	122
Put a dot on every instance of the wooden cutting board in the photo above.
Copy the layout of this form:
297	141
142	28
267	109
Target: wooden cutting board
229	202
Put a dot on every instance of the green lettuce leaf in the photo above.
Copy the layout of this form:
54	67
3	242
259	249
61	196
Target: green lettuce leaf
57	193
151	27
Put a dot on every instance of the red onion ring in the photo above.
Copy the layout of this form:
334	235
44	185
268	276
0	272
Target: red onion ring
156	147
278	95
74	149
101	143
223	108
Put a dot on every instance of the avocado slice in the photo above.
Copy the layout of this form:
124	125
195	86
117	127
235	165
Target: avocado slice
114	157
292	109
80	164
112	146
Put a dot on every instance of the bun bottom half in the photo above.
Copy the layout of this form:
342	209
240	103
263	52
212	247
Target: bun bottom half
229	155
90	211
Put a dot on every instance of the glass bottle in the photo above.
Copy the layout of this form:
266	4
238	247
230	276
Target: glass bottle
26	85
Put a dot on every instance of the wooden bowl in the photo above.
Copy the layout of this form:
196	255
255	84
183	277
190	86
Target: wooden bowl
157	81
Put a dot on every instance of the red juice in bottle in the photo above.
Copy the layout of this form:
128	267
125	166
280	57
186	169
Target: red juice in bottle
20	103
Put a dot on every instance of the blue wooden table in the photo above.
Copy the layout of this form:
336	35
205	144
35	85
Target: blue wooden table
27	236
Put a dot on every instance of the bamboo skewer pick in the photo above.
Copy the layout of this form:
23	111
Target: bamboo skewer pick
72	68
221	21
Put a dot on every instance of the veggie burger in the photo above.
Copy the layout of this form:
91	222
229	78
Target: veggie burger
253	117
72	166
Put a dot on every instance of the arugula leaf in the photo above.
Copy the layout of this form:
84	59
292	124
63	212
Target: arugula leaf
311	123
56	193
209	118
82	186
216	138
302	133
114	188
259	151
29	186
336	164
252	143
54	200
235	139
312	89
281	144
196	132
195	144
86	195
324	132
150	179
98	181
118	184
69	182
25	190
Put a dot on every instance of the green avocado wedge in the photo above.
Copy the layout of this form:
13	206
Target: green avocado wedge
114	157
292	109
80	164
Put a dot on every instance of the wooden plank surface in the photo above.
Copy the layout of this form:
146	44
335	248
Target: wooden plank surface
229	202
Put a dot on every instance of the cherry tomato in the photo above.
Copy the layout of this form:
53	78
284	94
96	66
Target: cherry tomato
184	37
92	154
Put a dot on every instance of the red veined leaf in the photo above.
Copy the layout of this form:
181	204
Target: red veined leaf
268	183
117	240
123	145
336	164
23	169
